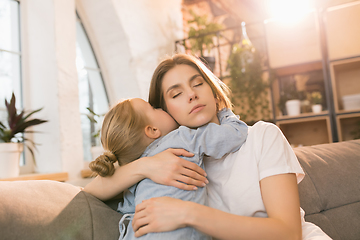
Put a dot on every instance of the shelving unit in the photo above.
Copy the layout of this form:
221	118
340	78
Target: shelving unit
340	62
306	131
281	39
345	78
348	126
342	30
319	52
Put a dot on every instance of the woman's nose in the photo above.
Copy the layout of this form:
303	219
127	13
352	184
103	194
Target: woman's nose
192	96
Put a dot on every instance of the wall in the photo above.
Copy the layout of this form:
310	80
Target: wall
145	32
50	81
128	37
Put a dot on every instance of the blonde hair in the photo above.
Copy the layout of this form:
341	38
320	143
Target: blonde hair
122	137
220	90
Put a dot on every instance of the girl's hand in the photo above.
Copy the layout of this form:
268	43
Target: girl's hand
169	169
159	214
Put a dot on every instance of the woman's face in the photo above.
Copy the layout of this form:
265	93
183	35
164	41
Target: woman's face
188	97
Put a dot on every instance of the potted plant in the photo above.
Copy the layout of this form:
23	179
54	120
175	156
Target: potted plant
12	138
316	100
201	36
290	98
96	148
248	86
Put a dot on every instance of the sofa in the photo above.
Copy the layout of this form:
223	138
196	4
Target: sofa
41	209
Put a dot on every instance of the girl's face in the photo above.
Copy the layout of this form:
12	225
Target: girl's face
157	117
188	97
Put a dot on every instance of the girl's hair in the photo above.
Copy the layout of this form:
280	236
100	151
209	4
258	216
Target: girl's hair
220	90
122	137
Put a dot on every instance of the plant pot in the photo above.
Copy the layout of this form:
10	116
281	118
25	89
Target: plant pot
96	151
293	107
209	62
317	108
10	159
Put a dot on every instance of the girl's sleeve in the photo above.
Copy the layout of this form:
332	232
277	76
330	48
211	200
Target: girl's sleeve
216	140
128	203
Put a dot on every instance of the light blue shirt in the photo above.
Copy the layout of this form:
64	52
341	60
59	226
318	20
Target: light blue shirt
212	140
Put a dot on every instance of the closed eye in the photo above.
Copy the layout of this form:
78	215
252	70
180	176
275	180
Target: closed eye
176	95
199	84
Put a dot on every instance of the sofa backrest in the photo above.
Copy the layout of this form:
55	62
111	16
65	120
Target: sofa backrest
330	191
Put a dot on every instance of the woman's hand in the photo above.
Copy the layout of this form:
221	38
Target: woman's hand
168	168
159	214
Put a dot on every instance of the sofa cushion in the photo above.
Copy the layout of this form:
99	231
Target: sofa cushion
43	209
330	191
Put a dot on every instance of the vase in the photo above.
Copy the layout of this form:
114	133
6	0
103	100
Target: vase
317	108
293	107
10	159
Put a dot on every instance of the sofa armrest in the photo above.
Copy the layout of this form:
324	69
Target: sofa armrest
42	209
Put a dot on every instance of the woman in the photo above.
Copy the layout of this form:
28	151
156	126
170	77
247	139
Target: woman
252	193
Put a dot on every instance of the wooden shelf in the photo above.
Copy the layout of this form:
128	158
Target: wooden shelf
293	44
301	68
346	125
61	177
295	56
306	131
345	78
342	31
301	116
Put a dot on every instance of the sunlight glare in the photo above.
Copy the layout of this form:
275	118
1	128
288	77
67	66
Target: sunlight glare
288	10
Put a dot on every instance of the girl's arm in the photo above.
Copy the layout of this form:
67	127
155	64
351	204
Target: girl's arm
213	139
165	168
281	200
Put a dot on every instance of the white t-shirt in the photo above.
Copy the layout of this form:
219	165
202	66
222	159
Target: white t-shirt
234	181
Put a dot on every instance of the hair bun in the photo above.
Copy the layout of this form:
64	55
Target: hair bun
110	156
104	164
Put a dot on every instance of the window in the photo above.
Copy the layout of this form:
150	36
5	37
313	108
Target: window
10	55
92	91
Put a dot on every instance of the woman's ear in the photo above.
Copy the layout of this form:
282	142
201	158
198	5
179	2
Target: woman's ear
152	132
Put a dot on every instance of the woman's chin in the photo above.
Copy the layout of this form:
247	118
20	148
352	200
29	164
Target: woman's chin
199	122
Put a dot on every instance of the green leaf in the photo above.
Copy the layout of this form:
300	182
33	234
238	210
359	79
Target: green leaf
27	116
18	123
22	126
92	111
11	109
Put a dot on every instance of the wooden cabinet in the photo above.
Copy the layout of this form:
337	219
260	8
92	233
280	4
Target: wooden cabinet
345	79
306	131
343	31
307	128
293	43
340	64
348	126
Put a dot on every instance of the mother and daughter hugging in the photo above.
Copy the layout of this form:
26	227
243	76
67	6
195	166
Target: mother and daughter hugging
249	190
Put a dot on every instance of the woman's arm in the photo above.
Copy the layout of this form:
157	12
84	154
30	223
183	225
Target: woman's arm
280	196
165	168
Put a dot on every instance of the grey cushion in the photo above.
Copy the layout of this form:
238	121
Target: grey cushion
36	210
330	191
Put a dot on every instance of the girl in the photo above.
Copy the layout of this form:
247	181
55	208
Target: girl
252	192
134	126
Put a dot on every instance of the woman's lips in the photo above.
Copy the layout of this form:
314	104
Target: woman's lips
197	108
